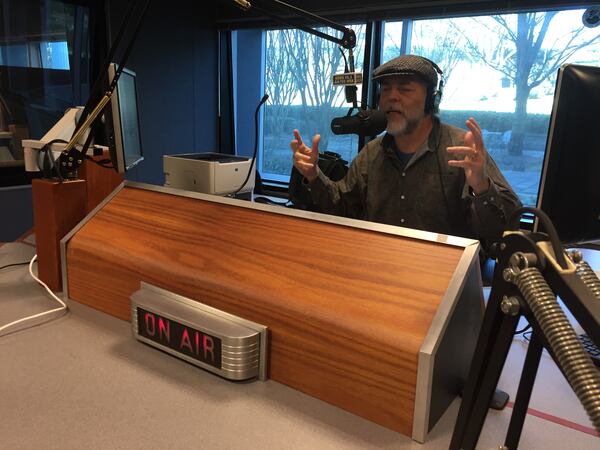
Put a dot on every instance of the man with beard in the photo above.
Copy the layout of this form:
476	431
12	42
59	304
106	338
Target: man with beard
420	173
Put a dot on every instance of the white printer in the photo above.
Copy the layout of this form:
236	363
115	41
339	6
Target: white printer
210	173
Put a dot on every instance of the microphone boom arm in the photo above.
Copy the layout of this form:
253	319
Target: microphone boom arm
71	157
347	41
531	270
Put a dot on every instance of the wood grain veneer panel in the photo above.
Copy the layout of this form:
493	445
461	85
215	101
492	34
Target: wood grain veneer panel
100	180
57	208
347	308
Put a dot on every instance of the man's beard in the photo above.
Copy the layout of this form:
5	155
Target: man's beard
402	129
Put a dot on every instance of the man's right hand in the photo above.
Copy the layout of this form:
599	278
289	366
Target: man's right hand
305	158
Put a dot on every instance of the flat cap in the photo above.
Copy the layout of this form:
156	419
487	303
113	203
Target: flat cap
407	65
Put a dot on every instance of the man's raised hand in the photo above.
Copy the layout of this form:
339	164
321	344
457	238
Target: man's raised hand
305	158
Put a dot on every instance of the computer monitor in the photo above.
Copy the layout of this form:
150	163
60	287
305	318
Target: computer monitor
570	184
126	145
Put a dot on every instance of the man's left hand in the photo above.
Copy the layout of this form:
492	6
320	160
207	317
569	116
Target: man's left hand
475	157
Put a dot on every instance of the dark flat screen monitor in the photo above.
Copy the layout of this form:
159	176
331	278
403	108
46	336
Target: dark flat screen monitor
125	120
570	183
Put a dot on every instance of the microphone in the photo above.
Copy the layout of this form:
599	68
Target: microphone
364	123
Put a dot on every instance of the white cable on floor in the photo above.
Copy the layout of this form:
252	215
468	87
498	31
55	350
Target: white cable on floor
35	316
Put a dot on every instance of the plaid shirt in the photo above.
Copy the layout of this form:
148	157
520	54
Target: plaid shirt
426	194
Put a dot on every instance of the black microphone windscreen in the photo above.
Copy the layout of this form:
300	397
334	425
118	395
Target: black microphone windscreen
365	123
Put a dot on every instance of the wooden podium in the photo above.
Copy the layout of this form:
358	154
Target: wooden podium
378	320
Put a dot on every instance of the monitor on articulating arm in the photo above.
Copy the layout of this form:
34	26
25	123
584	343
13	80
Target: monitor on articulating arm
121	131
125	142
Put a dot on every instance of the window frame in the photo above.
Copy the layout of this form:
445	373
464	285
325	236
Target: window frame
374	48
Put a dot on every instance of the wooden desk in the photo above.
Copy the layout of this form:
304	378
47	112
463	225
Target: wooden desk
378	320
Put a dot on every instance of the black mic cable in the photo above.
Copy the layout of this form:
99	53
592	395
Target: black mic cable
262	101
351	90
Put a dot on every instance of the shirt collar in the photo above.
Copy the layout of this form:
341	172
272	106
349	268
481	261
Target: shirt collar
389	144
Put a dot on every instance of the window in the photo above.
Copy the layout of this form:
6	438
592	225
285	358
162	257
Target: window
14	55
37	82
36	54
54	55
502	71
298	78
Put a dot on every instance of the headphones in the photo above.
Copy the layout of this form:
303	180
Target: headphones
434	93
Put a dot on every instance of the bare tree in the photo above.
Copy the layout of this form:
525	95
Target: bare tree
448	50
517	53
280	81
437	41
313	61
299	79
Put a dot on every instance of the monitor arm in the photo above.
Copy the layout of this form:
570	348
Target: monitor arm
71	157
